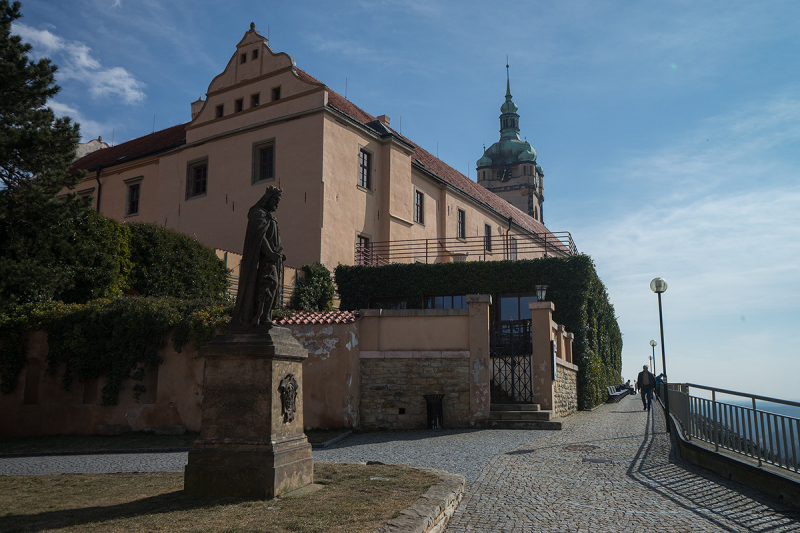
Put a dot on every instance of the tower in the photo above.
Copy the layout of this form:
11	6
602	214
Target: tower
508	167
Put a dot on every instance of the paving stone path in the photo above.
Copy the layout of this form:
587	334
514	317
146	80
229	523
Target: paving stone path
524	481
552	484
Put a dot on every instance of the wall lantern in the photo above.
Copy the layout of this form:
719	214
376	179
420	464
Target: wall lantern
540	292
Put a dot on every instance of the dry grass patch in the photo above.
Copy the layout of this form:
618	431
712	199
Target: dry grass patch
351	501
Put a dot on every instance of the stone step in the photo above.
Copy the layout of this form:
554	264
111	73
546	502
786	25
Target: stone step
516	407
555	423
520	415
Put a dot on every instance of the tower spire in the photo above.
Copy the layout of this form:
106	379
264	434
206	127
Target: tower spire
508	81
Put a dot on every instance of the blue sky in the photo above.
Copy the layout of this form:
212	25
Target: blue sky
669	132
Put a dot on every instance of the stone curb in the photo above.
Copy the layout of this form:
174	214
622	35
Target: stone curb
432	511
93	452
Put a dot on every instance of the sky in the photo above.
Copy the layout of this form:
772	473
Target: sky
668	132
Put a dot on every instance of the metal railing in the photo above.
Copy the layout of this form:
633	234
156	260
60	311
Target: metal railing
762	435
516	246
287	291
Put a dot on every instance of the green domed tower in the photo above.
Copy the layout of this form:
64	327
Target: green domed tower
508	168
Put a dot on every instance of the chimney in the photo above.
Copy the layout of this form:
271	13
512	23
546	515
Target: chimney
384	119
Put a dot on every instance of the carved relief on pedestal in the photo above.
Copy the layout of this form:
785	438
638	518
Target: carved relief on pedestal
288	391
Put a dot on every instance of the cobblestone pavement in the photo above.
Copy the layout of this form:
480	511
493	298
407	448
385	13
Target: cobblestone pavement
547	484
93	464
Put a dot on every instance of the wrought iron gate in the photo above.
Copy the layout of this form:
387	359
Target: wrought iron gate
510	352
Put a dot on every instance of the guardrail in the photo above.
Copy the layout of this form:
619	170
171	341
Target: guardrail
768	437
484	248
287	291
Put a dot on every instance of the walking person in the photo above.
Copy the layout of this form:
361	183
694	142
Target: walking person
645	383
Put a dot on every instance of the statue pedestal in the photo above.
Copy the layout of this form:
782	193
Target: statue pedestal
251	441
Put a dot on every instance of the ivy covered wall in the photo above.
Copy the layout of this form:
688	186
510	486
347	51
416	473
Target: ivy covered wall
580	298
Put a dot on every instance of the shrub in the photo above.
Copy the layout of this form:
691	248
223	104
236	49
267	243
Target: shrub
314	291
170	264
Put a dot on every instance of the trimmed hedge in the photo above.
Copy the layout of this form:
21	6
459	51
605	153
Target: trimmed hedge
580	298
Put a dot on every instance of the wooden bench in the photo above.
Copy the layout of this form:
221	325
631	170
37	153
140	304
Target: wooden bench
616	393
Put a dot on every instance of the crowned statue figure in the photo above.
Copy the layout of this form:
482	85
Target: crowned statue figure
261	269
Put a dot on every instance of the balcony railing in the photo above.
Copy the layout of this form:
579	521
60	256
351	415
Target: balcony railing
743	429
287	291
497	247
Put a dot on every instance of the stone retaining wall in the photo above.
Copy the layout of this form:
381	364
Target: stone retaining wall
393	385
566	389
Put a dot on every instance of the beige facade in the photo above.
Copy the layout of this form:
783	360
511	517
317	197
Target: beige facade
347	176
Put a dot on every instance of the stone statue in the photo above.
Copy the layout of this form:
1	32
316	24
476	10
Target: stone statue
261	269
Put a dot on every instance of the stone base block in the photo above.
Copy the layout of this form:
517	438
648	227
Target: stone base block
112	429
248	471
169	430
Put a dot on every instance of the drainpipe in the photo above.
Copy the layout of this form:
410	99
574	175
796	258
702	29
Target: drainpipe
99	187
508	247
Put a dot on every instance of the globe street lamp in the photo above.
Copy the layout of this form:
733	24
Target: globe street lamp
659	285
653	359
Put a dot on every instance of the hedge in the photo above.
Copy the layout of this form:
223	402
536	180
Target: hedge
580	299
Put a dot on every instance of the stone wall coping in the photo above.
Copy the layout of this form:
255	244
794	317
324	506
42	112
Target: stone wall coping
413	312
414	354
479	298
432	511
565	364
542	305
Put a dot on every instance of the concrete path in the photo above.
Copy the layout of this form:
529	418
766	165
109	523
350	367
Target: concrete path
552	484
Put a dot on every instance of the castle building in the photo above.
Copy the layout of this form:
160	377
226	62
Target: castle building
508	168
354	189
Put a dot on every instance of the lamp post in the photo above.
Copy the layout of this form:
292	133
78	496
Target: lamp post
653	359
659	285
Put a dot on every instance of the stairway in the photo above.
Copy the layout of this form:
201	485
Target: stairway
521	416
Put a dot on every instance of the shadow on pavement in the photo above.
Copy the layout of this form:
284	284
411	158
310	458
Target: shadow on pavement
726	504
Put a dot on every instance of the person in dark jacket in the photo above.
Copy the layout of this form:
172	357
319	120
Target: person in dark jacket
645	383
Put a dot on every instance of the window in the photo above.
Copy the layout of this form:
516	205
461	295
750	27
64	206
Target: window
255	54
243	58
461	227
196	178
276	93
512	249
238	105
365	169
132	202
220	110
445	302
363	250
419	207
254	99
487	237
263	161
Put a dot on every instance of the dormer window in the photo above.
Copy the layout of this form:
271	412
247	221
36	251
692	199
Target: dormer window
243	58
255	54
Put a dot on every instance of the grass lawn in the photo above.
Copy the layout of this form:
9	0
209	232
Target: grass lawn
126	441
351	501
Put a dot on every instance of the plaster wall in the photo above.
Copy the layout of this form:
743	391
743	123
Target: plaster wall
41	406
331	374
414	329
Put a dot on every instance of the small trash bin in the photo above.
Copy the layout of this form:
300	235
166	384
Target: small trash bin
435	411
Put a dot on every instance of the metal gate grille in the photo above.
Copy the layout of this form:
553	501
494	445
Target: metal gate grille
510	351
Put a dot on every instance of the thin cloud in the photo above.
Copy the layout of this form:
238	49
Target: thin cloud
90	129
76	62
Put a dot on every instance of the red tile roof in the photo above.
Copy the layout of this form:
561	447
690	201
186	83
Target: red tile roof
308	318
153	143
166	139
